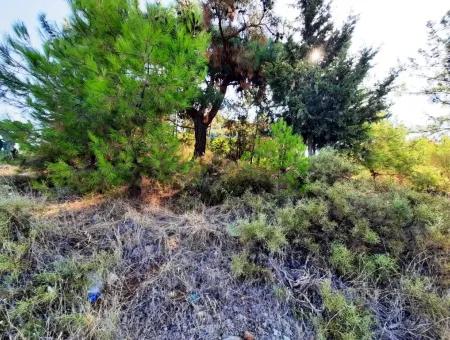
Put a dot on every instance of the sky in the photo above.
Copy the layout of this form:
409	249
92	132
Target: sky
396	27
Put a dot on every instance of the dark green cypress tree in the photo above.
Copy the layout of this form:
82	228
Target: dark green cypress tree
318	86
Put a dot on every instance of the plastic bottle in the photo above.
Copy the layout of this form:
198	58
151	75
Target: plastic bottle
95	287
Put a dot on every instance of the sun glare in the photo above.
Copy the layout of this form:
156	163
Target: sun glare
316	55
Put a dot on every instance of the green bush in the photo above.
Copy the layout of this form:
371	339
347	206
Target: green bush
243	268
342	259
284	153
221	146
429	178
259	231
240	179
342	319
219	181
379	267
62	175
359	227
330	166
423	301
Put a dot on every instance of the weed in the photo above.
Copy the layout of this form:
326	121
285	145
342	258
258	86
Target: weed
342	319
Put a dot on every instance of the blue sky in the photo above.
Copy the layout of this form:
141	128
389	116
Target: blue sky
396	27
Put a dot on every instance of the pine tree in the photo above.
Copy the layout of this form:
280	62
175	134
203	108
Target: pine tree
239	47
318	86
437	59
103	85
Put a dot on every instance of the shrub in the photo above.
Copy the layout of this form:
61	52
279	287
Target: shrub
428	178
342	259
361	227
342	319
221	146
423	300
378	267
243	268
62	175
219	181
387	150
240	179
283	152
330	166
259	231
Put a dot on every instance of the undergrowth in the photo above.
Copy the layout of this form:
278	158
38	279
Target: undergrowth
43	281
370	236
352	257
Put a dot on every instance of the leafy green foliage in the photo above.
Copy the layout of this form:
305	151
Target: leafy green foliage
319	85
423	300
219	181
342	259
240	179
235	138
359	228
20	133
242	267
343	320
260	231
330	166
422	162
103	85
283	153
388	150
221	146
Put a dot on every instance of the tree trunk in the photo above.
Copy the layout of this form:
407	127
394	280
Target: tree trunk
203	118
201	130
311	148
135	187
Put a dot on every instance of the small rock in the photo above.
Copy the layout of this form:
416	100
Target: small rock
232	338
276	332
248	336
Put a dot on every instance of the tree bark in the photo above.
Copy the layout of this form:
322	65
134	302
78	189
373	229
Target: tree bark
135	186
311	148
200	131
203	118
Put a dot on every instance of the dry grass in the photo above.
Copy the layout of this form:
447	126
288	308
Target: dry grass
7	170
167	275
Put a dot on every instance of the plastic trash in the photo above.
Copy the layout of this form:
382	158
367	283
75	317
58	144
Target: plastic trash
193	297
95	287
